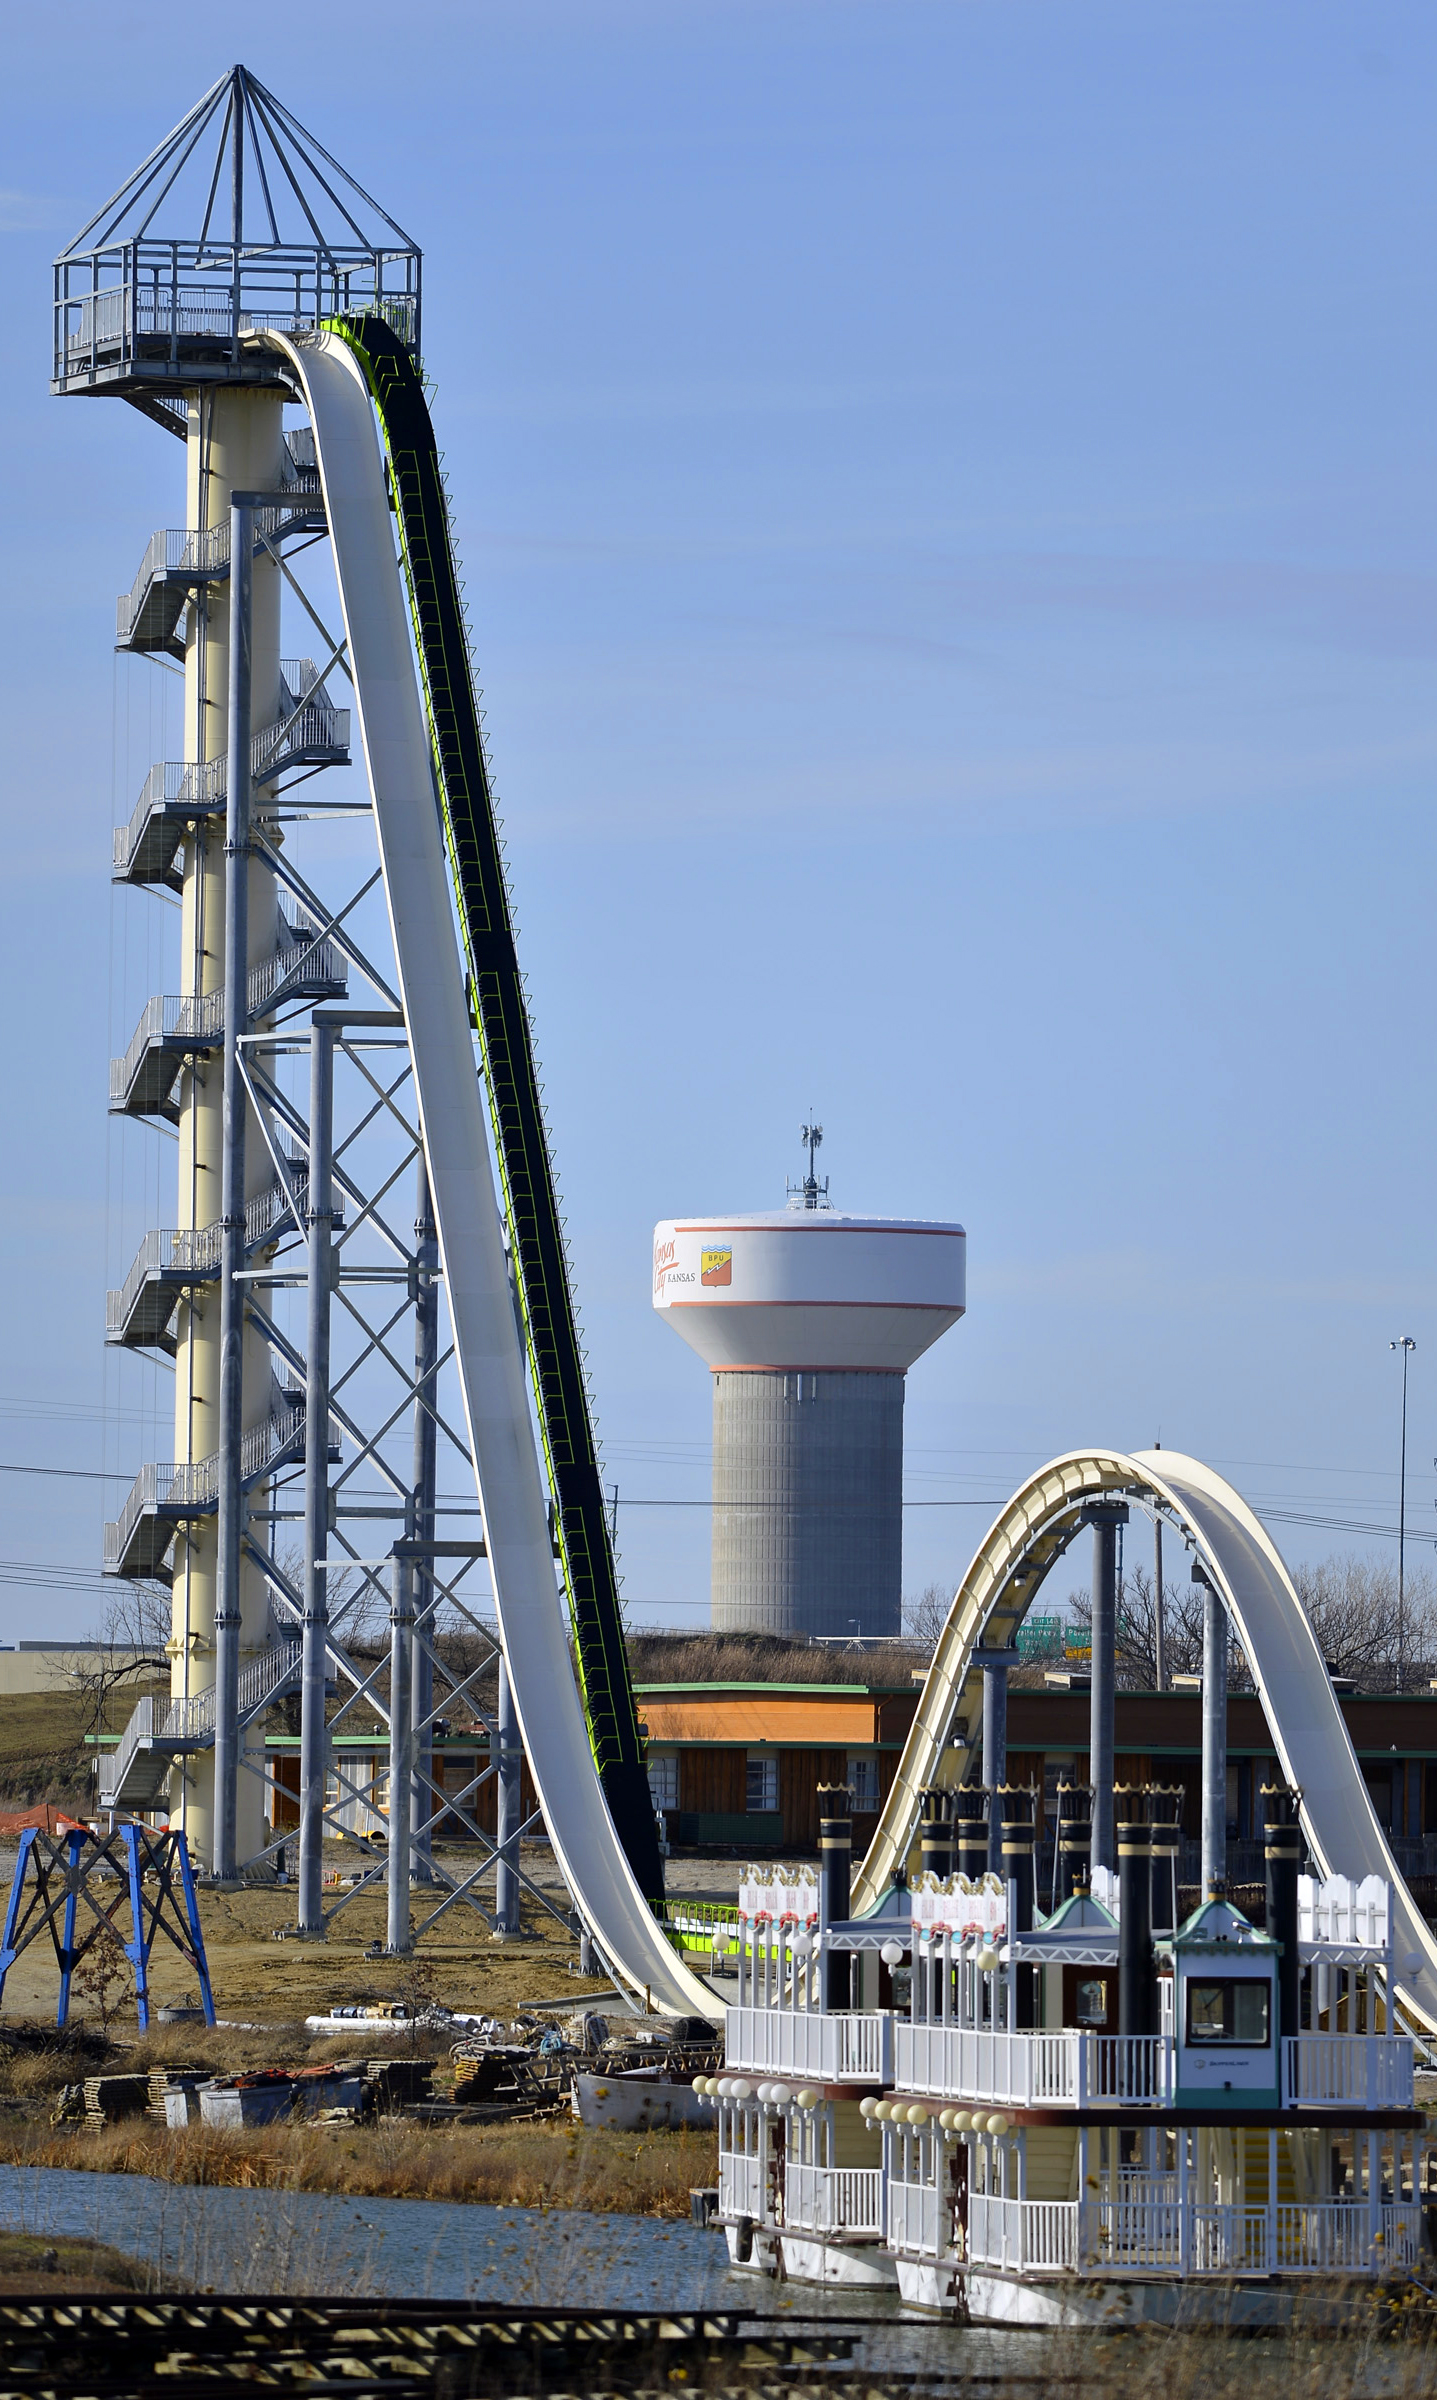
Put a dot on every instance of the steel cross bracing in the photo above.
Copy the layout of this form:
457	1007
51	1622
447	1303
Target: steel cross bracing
333	1233
354	1582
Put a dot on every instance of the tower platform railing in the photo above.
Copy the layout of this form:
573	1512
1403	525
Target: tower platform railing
306	966
167	1492
177	1256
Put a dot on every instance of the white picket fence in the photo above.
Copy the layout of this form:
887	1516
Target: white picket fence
1067	2069
1127	2236
740	2184
1356	1915
846	2047
833	2199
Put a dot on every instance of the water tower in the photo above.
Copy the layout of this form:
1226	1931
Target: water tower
808	1321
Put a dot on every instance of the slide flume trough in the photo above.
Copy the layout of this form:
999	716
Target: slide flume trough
533	1622
1269	1620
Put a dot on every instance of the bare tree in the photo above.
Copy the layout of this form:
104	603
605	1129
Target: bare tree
925	1616
1136	1642
130	1646
1352	1607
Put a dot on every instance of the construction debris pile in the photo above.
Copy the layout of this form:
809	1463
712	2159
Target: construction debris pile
532	2066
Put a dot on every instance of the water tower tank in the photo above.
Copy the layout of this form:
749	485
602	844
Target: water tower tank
808	1321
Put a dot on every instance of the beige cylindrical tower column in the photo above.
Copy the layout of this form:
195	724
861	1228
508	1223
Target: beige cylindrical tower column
235	443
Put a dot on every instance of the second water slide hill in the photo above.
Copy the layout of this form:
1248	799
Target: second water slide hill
585	1753
1311	1739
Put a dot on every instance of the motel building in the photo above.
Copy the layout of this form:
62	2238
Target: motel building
738	1766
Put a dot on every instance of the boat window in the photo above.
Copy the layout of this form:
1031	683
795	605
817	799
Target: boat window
1229	2008
1092	2002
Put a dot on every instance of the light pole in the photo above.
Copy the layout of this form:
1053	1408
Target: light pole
1406	1345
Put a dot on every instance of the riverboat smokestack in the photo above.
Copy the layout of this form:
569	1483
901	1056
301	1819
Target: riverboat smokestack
1282	1856
1017	1805
835	1858
1073	1858
1165	1809
935	1841
1136	1990
970	1831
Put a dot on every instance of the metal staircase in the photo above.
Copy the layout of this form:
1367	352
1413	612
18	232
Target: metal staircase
309	732
140	1315
178	560
180	1025
135	1775
168	1494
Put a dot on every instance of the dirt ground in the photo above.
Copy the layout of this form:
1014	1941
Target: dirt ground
262	1975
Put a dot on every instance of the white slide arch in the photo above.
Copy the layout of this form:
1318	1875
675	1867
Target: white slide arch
532	1622
1308	1732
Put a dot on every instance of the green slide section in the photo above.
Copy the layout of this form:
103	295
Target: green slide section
530	1202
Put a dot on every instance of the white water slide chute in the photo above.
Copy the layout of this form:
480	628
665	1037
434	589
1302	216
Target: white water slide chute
1029	1535
1293	1683
533	1625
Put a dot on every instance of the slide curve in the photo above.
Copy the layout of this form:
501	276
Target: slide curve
532	1621
1306	1723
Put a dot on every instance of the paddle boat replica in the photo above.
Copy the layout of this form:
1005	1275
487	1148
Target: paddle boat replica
1077	2118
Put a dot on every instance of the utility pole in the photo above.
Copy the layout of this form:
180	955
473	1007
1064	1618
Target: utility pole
1160	1629
1406	1345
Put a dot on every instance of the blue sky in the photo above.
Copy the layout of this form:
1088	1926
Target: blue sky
947	499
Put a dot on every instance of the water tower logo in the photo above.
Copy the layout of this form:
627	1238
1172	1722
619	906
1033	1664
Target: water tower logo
715	1267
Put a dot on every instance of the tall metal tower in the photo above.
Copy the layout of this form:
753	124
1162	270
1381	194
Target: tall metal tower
307	1418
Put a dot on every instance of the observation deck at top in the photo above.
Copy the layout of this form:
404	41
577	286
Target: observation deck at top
240	222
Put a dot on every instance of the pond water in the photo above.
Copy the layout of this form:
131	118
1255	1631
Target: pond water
326	2243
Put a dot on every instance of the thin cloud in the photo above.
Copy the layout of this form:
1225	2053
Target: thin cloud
29	212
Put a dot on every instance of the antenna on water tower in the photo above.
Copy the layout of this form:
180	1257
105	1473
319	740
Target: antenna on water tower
810	1193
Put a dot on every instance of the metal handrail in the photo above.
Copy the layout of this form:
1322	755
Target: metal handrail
309	721
196	1250
190	1487
191	1717
201	554
195	1020
114	317
115	1768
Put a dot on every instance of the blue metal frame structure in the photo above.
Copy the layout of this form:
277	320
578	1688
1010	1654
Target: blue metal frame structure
60	1871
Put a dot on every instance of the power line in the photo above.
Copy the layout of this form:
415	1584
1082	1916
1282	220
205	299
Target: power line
75	1474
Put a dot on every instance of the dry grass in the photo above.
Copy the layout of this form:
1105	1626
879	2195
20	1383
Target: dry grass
55	2266
1304	2365
558	2164
763	1658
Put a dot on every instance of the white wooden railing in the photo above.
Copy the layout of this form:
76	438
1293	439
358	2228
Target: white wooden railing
841	2048
918	2220
1371	2070
1020	2234
1131	2233
1068	2069
1115	2236
740	2184
833	2199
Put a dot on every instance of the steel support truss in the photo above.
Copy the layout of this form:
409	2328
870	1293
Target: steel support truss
331	1093
56	1877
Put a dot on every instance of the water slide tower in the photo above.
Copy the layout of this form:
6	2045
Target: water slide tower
808	1321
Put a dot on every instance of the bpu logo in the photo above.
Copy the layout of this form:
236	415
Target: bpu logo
715	1267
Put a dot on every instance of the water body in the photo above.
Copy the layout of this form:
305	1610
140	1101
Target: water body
221	2239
